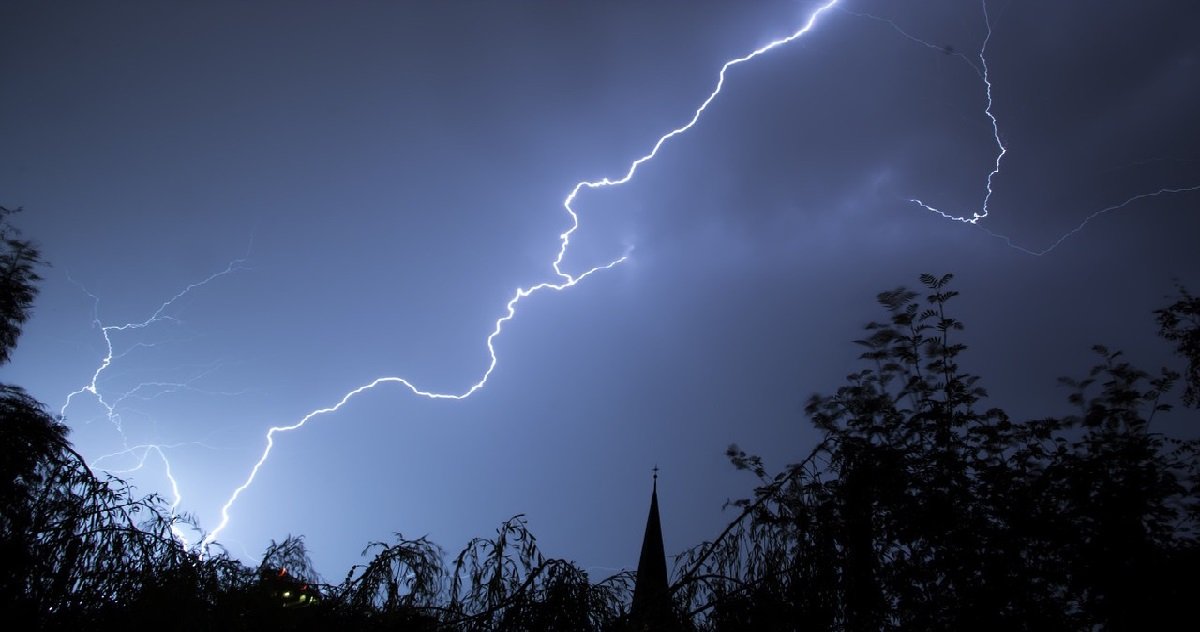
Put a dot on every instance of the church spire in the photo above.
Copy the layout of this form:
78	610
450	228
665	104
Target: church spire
651	597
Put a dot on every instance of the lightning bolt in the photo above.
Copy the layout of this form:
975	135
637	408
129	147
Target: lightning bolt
106	332
566	279
111	413
981	69
1089	218
144	451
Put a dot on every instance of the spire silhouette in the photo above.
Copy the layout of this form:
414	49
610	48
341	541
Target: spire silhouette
651	596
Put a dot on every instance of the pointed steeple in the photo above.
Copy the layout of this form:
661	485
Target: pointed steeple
651	599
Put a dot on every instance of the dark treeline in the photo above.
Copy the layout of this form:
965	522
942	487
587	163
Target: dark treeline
923	509
920	508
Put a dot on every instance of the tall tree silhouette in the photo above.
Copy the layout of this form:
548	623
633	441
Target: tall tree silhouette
19	260
923	509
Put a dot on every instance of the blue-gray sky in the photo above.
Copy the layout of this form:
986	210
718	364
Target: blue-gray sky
392	172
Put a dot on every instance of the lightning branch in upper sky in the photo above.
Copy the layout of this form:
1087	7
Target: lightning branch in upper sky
981	69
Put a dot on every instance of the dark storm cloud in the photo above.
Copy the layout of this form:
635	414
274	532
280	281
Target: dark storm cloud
1083	101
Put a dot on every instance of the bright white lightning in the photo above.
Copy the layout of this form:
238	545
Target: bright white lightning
567	279
499	326
110	355
981	69
110	408
145	450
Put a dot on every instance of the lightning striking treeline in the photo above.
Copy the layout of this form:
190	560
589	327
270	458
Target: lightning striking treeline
562	279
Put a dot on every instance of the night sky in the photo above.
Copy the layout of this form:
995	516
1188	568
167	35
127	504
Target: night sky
379	179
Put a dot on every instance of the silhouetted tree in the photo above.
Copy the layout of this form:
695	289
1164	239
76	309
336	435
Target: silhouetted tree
922	509
1180	323
19	260
506	584
402	585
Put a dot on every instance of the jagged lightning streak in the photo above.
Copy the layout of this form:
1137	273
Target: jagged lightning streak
981	69
145	450
567	279
499	326
110	355
1089	218
141	453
